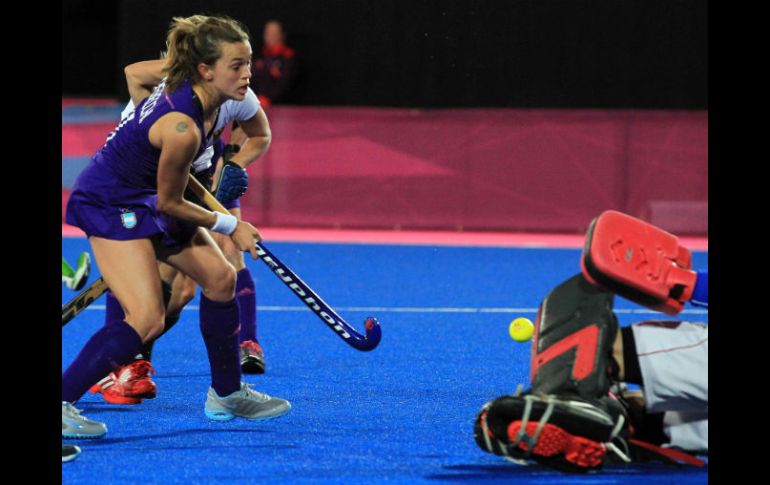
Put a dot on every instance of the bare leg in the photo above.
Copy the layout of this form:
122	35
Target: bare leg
130	270
203	261
182	288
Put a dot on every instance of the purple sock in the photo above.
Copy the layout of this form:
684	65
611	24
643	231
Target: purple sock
219	326
114	312
246	294
112	346
114	315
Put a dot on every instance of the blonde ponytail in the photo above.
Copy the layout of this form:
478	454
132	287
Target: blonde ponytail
194	40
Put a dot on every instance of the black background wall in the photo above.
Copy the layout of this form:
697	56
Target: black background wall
89	47
432	53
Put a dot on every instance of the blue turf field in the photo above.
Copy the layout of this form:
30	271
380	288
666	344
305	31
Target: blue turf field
401	413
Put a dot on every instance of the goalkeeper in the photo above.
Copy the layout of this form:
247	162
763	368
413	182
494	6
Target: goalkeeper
576	415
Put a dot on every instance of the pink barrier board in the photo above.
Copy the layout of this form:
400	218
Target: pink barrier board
470	169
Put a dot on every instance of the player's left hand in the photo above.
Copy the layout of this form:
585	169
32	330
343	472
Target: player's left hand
232	182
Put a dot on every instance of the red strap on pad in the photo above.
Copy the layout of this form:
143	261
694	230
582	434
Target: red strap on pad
670	453
638	261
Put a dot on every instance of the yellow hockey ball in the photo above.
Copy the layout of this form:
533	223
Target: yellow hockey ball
521	329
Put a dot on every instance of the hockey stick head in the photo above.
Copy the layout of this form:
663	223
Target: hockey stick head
373	335
306	294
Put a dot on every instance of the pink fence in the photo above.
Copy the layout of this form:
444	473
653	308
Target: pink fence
538	170
510	170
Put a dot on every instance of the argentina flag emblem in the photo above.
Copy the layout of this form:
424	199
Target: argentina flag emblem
128	218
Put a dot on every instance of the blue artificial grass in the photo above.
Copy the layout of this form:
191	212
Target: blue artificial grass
402	413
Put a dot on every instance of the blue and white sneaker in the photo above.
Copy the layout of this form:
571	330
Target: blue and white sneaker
75	426
245	403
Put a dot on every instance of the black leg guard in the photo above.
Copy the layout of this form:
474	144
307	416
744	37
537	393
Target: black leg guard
567	420
572	347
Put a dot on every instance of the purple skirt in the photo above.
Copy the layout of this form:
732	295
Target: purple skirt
103	207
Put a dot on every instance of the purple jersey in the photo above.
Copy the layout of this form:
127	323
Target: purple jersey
115	196
128	152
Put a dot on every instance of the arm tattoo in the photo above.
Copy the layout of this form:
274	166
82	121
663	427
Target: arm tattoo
181	127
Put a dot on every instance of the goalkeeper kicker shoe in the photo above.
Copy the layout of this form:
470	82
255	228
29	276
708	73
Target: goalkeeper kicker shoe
128	384
245	403
564	432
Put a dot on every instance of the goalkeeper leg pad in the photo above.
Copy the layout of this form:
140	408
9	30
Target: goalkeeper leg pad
572	346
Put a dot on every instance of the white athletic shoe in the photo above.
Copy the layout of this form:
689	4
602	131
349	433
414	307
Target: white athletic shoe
245	403
73	425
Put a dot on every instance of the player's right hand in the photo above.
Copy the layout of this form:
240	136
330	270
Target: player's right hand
245	236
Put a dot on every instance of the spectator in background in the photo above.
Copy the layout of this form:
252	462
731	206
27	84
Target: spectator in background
274	70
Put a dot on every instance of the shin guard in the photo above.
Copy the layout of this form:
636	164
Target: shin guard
568	419
572	344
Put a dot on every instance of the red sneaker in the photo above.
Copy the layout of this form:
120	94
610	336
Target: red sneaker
128	384
252	358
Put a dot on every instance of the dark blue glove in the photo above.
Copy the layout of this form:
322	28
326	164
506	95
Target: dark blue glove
700	295
231	183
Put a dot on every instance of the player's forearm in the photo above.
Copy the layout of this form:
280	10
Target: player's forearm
172	180
142	77
137	92
252	149
186	211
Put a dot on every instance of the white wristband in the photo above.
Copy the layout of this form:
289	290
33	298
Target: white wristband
225	223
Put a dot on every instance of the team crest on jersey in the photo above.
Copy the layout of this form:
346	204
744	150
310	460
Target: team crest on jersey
128	218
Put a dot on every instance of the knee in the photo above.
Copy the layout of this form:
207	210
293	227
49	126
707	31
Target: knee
187	291
148	322
221	283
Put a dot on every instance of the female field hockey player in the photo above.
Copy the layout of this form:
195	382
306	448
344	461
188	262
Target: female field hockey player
129	202
131	383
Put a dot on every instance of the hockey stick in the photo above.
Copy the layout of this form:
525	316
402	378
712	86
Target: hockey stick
75	279
84	298
302	290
